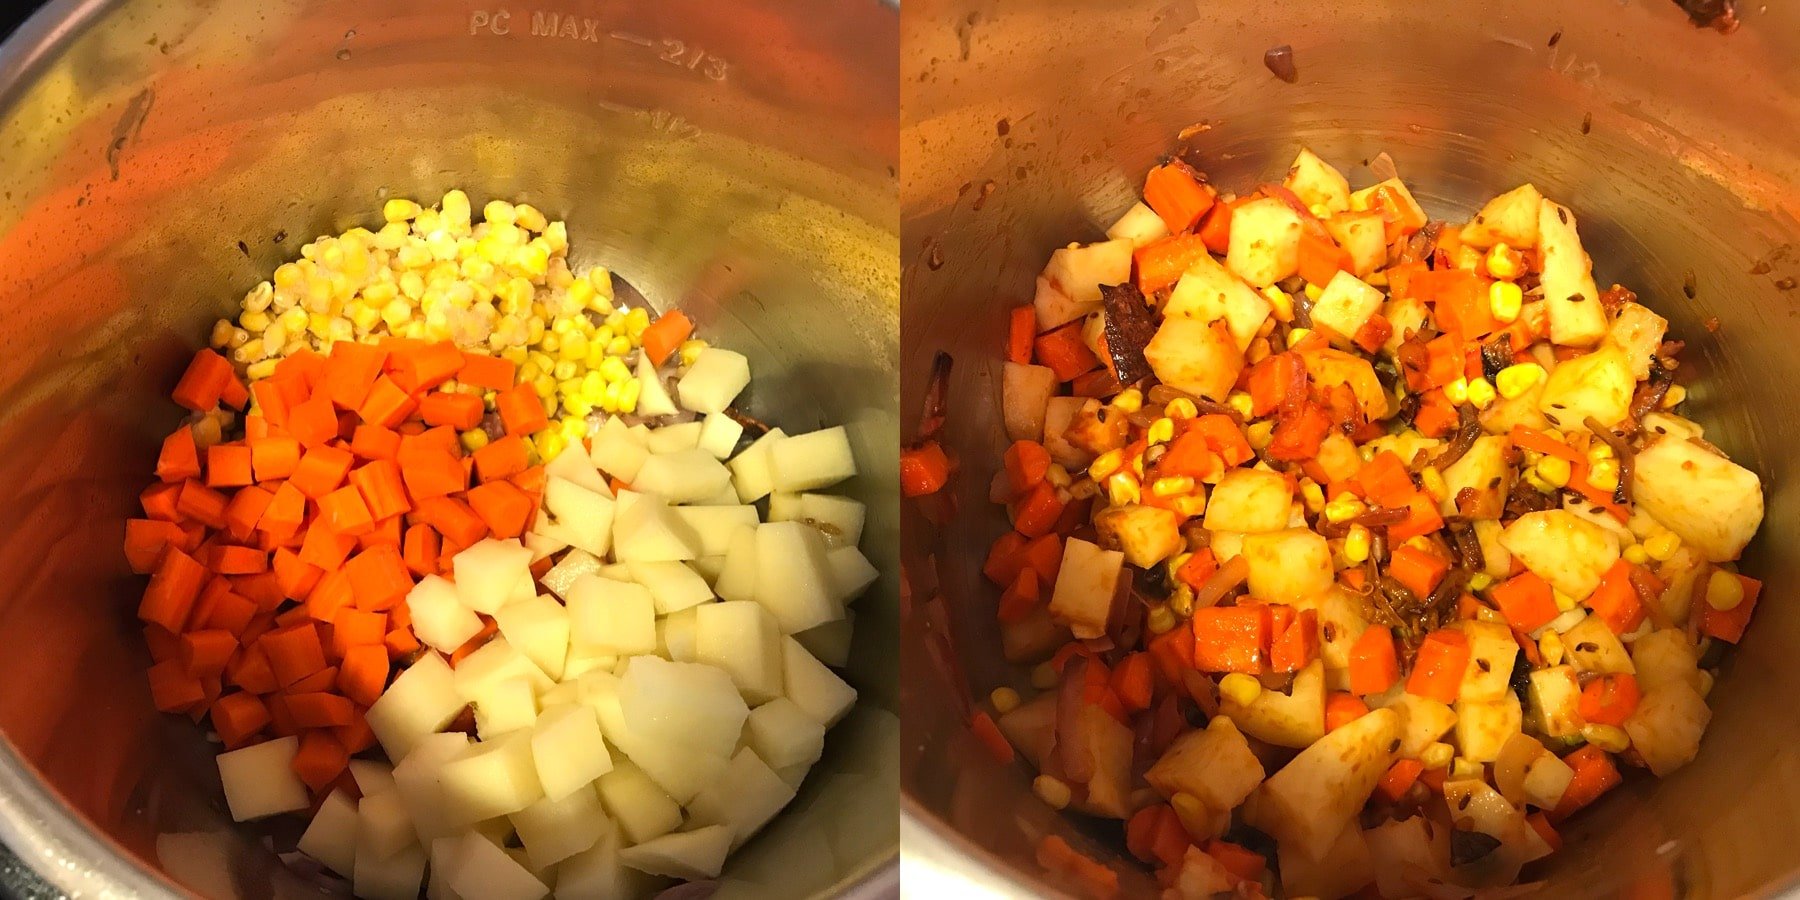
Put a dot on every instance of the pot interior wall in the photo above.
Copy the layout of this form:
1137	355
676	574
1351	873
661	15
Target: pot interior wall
159	159
1029	125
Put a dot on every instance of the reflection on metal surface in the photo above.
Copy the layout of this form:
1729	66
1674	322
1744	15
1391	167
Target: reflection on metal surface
1689	165
739	161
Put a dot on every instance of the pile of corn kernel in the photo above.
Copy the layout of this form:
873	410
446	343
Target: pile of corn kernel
502	286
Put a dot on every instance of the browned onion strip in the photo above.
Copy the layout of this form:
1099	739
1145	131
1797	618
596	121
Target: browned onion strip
1071	751
1468	547
1162	395
1651	598
1697	600
1231	574
1382	516
937	399
1466	434
1621	449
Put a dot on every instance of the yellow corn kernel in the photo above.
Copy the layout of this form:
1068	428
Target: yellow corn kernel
618	346
1538	484
615	370
1437	755
1599	451
574	347
576	404
1480	581
1673	398
1724	591
1635	554
528	217
635	322
254	322
1240	401
1258	351
1044	676
1551	647
1129	400
1504	300
1513	381
1122	489
1356	544
1053	791
1457	391
1662	546
544	384
1280	302
1610	738
1464	769
565	370
1004	699
1313	291
1058	476
1343	508
474	439
1181	408
1161	431
690	351
221	334
1240	688
1312	495
1297	335
574	426
1506	263
550	444
1196	819
399	209
1190	506
1261	433
1604	475
1489	614
1554	470
1433	481
1172	485
1482	393
628	395
1106	464
1706	683
257	371
1160	619
1181	601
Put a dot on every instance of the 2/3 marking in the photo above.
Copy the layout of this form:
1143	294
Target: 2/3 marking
559	26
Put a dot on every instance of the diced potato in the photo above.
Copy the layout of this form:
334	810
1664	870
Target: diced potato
1214	764
1110	744
575	465
483	869
848	573
1140	225
572	566
567	750
687	476
714	380
1309	801
439	618
1058	414
839	519
688	855
783	735
1294	719
420	701
616	452
1596	384
1497	559
1265	241
491	778
1480	808
539	627
554	830
1097	428
1346	304
502	707
641	808
743	640
416	780
831	641
743	799
1528	773
1084	587
1317	183
1563	549
1227	545
1078	271
1665	656
672	585
1341	622
1402	846
331	836
1210	292
1510	219
1503	414
750	472
1661	423
816	459
686	704
1338	457
667	439
1637	332
372	776
1033	638
719	435
1345	868
1055	308
714	526
597	874
1665	728
1201	877
1594	649
1710	502
737	580
1556	701
395	877
1193	356
653	393
1485	471
492	573
792	577
1249	500
676	636
615	617
1492	652
1363	235
259	780
1031	727
1573	303
817	690
1397	191
1423	721
1146	535
1484	726
1288	566
646	529
1328	368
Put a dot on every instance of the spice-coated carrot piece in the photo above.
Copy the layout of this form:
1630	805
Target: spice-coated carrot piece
364	673
286	512
1162	263
172	688
320	709
1020	598
1527	601
1595	774
1178	195
375	442
274	456
325	548
172	591
350	371
238	717
1064	351
1231	638
145	540
378	578
229	612
320	759
521	410
205	379
1021	330
180	458
504	508
228	465
230	560
665	335
1297	644
1133	681
1036	514
1342	708
1419	570
387	405
460	411
503	458
1728	624
294	652
489	372
1438	667
245	510
1399	779
420	550
453	519
429	470
321	470
206	652
1374	665
344	512
1609	699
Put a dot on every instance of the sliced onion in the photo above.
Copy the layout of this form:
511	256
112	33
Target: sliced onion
1071	750
1233	573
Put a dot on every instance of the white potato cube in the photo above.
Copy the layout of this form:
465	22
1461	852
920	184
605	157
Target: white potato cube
1638	333
840	519
792	577
1564	549
494	662
1026	393
503	707
688	854
492	778
737	581
395	877
421	701
1666	727
676	637
783	735
575	466
1083	593
1288	566
1511	219
1484	726
714	525
1571	300
719	434
744	640
416	780
439	618
817	690
784	506
714	380
830	642
1713	504
1140	225
849	573
1555	701
685	704
1596	385
1208	292
372	776
612	617
384	825
539	628
492	573
1317	183
1594	649
578	516
1346	305
573	565
617	454
653	393
568	751
672	585
794	775
750	469
484	870
1265	241
743	799
1249	500
331	836
641	808
674	438
1078	271
807	462
554	830
686	476
1364	236
1191	355
648	530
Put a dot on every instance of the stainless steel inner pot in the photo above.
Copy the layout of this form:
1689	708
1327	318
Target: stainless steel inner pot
157	159
1026	125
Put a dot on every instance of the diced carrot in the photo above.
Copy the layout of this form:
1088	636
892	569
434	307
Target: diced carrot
924	469
229	612
665	335
426	366
173	588
274	456
230	560
305	366
1161	264
1321	259
1595	774
1036	514
321	471
1616	601
1178	195
506	509
420	550
387	404
314	423
320	709
327	599
295	576
1399	779
390	531
245	510
1140	830
1027	462
206	378
238	717
1064	352
344	512
325	548
320	759
1042	555
1609	699
1374	665
429	470
1231	638
375	442
281	722
1540	823
990	737
453	519
294	652
201	504
1003	564
353	627
1241	861
1438	668
1422	518
172	688
350	372
1342	708
501	458
1133	681
401	644
285	514
1021	329
1417	569
145	540
252	671
521	411
1199	567
206	652
1170	841
382	489
158	501
228	465
1297	644
1272	380
1437	416
488	372
180	457
1526	600
1215	228
378	578
459	411
364	673
1298	437
1728	624
1020	598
